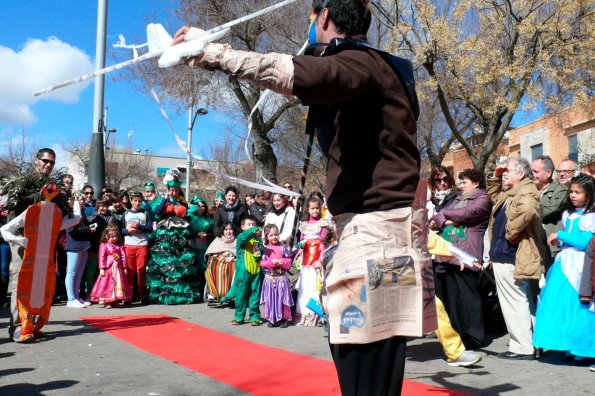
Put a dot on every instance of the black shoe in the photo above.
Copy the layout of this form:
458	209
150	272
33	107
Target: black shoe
284	324
270	325
581	361
515	356
567	358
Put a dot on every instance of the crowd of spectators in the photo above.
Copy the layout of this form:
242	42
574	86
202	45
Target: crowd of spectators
530	231
527	228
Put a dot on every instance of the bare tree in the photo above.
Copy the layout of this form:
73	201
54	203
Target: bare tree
291	149
17	154
124	168
282	31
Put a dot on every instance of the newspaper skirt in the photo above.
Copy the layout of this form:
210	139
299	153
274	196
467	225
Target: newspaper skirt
379	284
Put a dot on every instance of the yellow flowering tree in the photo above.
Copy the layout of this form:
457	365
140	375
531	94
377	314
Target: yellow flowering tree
485	60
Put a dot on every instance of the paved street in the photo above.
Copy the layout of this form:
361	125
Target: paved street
76	358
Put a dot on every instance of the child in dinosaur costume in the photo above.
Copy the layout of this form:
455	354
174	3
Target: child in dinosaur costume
248	278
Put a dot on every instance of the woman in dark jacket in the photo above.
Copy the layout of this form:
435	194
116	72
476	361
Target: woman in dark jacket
463	222
231	211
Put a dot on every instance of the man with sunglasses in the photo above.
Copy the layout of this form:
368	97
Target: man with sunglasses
566	171
364	109
45	161
20	198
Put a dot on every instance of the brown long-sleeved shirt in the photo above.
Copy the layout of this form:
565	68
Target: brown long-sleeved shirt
373	158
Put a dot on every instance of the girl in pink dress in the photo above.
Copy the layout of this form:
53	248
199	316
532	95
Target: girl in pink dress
313	230
112	284
276	290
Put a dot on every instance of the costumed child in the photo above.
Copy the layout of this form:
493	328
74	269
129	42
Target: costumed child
313	230
276	289
248	278
562	323
201	226
101	219
137	224
112	284
220	257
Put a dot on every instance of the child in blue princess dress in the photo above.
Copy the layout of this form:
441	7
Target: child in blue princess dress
562	323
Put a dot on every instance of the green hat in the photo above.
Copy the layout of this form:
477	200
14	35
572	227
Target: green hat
174	183
149	186
194	204
219	196
196	199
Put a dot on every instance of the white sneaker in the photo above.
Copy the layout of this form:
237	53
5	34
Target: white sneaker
592	367
86	303
468	358
75	304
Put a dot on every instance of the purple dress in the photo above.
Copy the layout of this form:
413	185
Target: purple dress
276	289
113	286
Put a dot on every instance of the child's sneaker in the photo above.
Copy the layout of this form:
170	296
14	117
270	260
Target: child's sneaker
468	358
75	304
85	303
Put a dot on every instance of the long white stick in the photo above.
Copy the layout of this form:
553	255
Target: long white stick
157	53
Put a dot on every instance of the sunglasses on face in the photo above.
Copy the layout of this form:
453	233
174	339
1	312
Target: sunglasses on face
47	161
88	192
441	179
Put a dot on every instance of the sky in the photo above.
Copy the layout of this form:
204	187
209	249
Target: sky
46	42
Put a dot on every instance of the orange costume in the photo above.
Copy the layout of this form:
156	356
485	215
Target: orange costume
37	276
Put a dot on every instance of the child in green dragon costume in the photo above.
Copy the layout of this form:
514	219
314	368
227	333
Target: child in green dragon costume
248	278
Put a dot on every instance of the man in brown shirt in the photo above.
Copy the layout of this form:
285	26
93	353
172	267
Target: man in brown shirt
366	112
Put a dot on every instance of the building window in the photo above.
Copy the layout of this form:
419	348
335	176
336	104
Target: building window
536	151
573	148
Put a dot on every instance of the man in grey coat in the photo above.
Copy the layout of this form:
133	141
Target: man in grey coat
553	198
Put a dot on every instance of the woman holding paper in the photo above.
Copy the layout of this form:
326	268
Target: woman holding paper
463	222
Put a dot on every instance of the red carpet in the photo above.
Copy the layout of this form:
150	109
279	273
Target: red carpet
253	368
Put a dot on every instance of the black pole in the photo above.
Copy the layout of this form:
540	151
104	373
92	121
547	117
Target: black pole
310	132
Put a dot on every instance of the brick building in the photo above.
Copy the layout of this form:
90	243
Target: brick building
568	133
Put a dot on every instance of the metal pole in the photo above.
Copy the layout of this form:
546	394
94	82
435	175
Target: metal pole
310	131
105	130
96	176
189	152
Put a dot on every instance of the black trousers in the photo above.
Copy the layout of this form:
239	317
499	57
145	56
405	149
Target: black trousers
374	369
462	300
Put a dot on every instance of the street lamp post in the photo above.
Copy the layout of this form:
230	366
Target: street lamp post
191	119
109	132
96	177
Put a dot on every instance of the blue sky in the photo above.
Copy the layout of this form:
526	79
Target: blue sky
46	42
25	31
